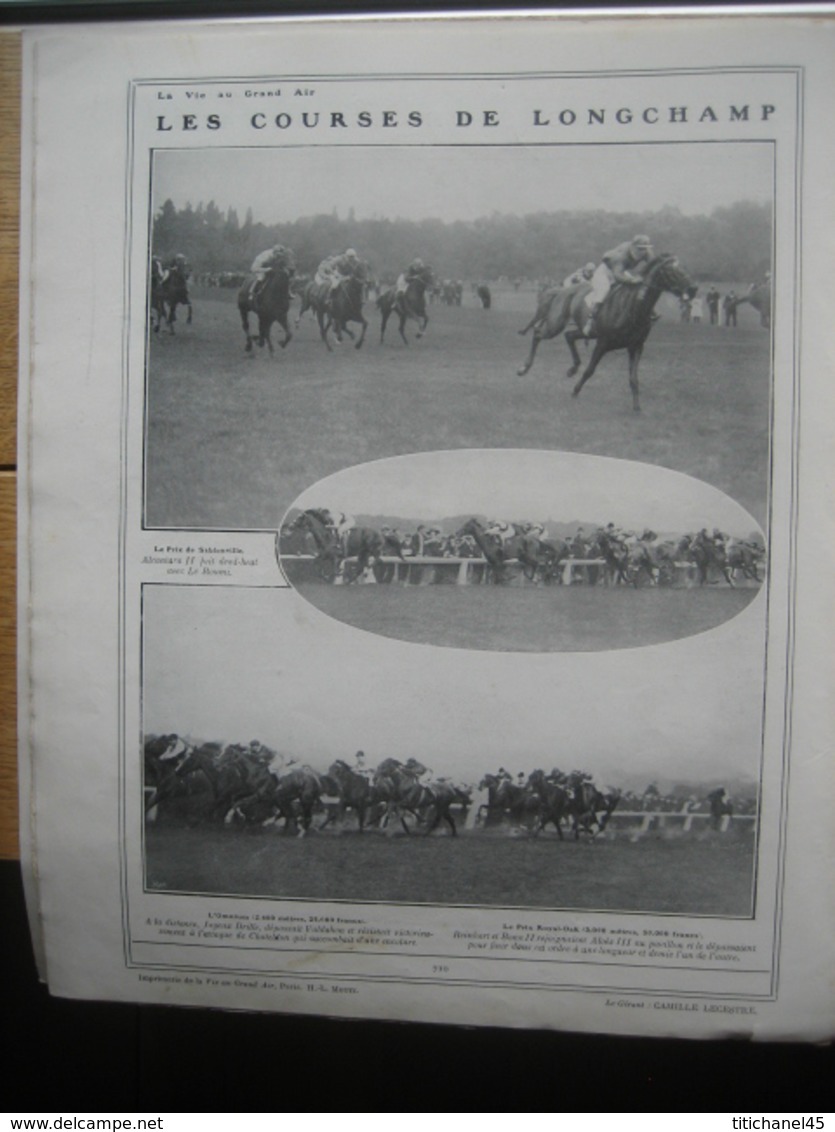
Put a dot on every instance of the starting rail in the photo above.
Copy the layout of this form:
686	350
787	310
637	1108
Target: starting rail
410	569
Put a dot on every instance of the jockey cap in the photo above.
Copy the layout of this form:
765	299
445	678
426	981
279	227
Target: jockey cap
351	254
589	269
641	242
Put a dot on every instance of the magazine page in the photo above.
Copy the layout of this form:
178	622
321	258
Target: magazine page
428	518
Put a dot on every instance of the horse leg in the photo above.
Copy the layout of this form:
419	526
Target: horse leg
572	337
634	358
283	323
188	320
598	353
402	329
526	365
386	311
265	334
244	313
423	323
361	338
324	324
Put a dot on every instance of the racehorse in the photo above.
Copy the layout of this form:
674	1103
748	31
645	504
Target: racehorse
163	755
532	554
168	291
411	303
398	786
553	802
760	299
270	304
439	798
234	776
362	543
705	554
344	305
622	322
314	297
355	793
589	806
297	792
640	563
744	558
507	799
614	554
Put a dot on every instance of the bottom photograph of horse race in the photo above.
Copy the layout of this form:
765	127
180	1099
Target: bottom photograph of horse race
367	769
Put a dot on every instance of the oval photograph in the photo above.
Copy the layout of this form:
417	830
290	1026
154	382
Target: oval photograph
522	551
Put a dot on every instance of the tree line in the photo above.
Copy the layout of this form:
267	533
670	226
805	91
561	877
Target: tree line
730	244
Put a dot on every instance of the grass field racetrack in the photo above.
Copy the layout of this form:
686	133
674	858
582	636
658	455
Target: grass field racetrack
231	441
536	619
706	874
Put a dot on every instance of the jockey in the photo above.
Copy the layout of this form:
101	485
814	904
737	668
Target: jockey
624	264
413	272
360	766
267	261
283	765
336	268
418	771
581	275
343	524
616	534
535	529
177	265
500	530
702	539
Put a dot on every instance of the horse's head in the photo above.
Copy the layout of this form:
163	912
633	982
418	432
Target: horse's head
315	517
666	273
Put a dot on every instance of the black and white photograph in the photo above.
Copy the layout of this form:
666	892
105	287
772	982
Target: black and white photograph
436	547
402	299
351	770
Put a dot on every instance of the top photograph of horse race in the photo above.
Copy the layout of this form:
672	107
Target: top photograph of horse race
311	309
